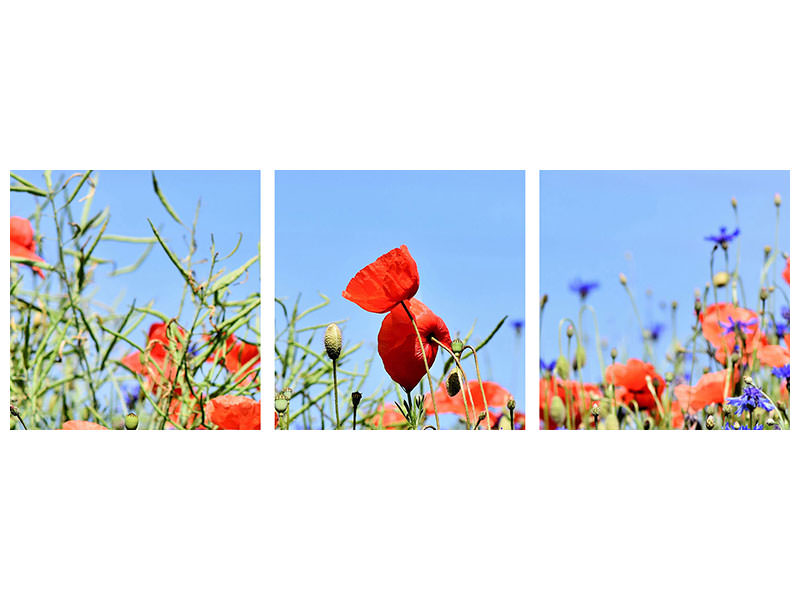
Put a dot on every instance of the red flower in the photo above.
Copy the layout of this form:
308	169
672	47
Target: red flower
399	347
157	365
389	417
716	322
234	412
633	378
786	271
237	354
496	397
82	425
773	356
22	244
383	284
579	396
710	389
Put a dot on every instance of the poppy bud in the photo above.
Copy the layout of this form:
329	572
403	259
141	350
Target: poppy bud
777	199
647	424
668	377
771	289
355	398
580	357
710	423
748	380
736	426
763	294
734	203
333	341
612	422
767	250
622	279
674	305
735	356
613	354
558	412
721	278
595	410
281	402
453	383
728	409
698	306
457	346
511	404
706	370
562	367
570	331
131	421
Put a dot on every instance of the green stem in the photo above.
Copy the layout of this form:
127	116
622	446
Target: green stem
425	360
336	394
480	384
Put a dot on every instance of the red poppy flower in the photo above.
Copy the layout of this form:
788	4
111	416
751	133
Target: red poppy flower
82	425
389	417
632	377
786	271
236	355
710	389
496	397
156	365
579	396
234	412
383	284
773	356
22	243
399	347
717	322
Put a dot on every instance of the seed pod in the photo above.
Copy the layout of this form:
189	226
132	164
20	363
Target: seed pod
511	404
558	412
721	278
710	423
562	367
355	398
281	402
333	341
580	357
457	346
131	421
453	383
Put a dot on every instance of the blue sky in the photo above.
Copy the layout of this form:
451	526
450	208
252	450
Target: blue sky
651	226
465	229
230	204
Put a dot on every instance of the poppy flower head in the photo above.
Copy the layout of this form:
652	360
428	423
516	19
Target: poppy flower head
398	345
155	364
22	242
786	271
383	284
632	377
723	323
496	397
82	426
234	412
710	389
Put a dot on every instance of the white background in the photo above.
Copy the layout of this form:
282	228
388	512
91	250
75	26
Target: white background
455	85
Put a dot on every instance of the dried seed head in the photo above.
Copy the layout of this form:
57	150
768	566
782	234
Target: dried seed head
355	398
333	341
710	423
511	404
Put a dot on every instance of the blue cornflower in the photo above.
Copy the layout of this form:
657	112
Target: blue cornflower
547	366
741	427
131	395
655	331
518	324
751	399
785	313
724	237
194	349
781	329
781	372
583	287
745	326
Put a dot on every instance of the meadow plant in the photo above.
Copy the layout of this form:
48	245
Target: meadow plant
744	383
78	363
310	377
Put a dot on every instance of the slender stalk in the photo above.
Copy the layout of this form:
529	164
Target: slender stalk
480	384
425	360
336	394
462	378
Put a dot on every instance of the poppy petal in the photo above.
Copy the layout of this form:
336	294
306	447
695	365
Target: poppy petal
385	283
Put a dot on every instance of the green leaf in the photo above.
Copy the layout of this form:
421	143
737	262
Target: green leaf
224	282
167	205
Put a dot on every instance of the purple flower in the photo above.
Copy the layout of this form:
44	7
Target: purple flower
518	324
547	366
751	398
655	331
781	372
785	313
583	287
744	326
741	427
724	237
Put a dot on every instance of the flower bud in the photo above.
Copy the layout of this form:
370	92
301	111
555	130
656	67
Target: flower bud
453	383
570	331
595	410
131	421
558	412
767	250
710	423
511	404
281	402
333	341
698	306
622	279
457	346
734	203
721	278
355	398
562	367
770	423
763	294
777	199
580	357
647	424
737	426
748	380
669	376
735	356
613	354
674	305
728	409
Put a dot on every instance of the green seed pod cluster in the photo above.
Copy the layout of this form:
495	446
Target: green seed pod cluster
333	341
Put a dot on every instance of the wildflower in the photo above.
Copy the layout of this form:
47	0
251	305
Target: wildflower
554	394
383	284
785	313
234	412
723	324
583	288
773	355
236	355
398	345
751	399
518	324
735	326
654	331
710	389
81	425
496	397
547	366
786	271
781	372
724	237
156	365
632	381
389	417
23	244
737	427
